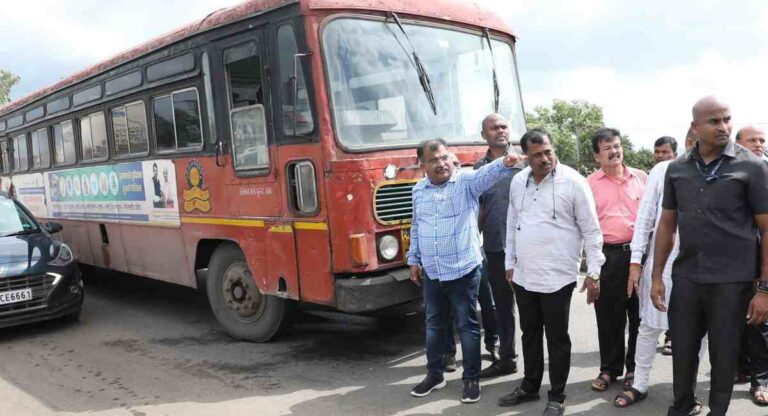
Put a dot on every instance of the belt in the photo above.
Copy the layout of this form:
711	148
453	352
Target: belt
619	247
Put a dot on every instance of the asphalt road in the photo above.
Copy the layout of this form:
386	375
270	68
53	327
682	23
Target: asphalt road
148	348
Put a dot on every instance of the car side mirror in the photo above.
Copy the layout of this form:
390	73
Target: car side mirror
53	227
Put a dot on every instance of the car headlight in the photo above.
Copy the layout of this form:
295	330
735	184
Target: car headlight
63	257
388	247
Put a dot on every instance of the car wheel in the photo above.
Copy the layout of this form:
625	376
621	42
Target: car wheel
236	301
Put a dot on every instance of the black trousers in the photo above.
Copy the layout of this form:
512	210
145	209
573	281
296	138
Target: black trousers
613	310
696	309
545	313
504	298
753	355
757	337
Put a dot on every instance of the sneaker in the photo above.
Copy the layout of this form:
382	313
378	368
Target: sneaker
499	368
431	382
449	362
471	393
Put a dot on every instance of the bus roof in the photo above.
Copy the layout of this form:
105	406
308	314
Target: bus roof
461	11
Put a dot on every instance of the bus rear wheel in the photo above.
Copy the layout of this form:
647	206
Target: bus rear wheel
236	301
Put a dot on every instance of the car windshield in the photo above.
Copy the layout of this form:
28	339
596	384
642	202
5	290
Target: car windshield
13	219
377	97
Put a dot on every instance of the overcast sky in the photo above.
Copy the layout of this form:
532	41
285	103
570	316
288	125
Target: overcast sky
644	62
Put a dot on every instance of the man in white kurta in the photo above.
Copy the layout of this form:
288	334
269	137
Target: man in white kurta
652	321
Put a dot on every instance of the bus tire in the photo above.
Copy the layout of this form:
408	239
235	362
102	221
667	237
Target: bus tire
236	301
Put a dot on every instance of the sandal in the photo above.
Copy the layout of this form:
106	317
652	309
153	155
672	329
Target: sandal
629	380
667	348
697	408
629	400
759	395
602	383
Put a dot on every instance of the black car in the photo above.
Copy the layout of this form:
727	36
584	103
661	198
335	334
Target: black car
39	277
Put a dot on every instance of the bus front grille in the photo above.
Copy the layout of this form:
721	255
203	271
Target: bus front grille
392	203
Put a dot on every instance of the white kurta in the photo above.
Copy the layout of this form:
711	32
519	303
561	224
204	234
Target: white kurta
642	242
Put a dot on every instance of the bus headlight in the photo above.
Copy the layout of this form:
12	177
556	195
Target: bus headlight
389	247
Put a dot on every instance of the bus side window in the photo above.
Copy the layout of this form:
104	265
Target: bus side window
129	129
296	115
177	121
246	107
20	163
41	152
93	136
64	144
5	165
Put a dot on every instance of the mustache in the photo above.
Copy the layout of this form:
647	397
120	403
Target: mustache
613	156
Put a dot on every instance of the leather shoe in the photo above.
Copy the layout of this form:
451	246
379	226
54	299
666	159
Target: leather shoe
499	368
554	409
516	397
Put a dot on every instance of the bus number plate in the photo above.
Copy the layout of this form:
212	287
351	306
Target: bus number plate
15	296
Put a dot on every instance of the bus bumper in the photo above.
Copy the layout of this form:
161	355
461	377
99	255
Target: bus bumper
376	292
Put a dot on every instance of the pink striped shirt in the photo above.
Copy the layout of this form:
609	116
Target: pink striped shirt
617	203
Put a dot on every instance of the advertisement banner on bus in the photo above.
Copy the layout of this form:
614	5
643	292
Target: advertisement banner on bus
139	192
30	191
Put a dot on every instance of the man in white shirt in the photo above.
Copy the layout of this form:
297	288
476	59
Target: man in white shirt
551	216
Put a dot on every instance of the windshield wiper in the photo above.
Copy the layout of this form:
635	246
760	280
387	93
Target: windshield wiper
416	62
487	36
22	232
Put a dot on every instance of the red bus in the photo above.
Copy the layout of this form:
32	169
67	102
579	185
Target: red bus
265	152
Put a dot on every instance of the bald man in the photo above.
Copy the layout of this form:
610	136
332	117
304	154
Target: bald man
753	139
493	224
753	359
716	196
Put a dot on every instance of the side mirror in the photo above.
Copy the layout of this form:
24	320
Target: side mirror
53	227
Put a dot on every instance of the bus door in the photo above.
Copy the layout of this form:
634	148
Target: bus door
300	157
253	191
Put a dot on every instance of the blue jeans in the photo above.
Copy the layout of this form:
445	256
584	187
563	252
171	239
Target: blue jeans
487	318
440	298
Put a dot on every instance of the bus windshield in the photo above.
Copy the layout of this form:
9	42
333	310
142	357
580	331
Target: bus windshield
376	95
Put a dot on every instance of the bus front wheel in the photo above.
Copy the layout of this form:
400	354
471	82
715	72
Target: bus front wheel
236	301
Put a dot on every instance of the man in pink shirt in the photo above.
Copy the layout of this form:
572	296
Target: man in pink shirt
617	189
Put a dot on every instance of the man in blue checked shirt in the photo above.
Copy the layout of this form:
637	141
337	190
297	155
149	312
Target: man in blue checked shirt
445	249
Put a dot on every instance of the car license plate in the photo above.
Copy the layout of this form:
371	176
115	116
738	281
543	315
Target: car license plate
405	237
15	296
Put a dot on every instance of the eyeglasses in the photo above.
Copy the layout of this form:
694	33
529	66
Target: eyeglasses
437	160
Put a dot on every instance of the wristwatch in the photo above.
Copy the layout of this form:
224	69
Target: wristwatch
594	276
762	286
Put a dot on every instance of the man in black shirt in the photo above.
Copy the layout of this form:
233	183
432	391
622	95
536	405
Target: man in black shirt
493	224
716	196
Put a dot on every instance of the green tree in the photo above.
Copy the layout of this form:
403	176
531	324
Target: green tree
572	124
7	81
